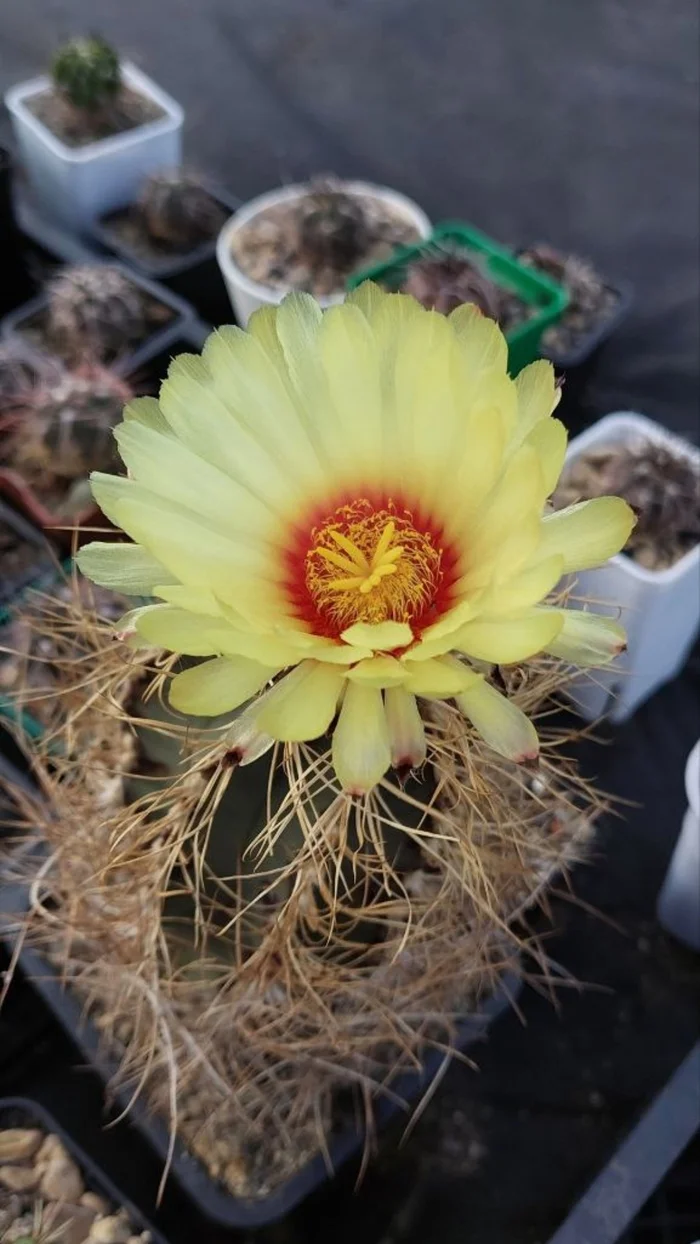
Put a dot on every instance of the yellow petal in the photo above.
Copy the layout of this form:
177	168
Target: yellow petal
406	731
244	741
361	740
351	364
481	341
378	672
191	634
146	410
369	298
378	636
302	705
195	600
537	396
124	568
588	639
549	439
509	639
218	686
589	533
500	722
525	589
510	519
439	679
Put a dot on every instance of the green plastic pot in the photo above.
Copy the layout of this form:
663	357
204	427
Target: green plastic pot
503	268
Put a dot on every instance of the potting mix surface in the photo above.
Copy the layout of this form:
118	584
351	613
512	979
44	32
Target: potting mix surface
553	145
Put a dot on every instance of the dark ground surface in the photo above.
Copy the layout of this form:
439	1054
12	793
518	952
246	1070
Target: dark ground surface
573	122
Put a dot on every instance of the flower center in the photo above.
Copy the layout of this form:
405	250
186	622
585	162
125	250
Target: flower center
367	564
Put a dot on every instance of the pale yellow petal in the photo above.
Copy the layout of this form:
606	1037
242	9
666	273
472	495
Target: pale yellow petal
351	364
217	686
537	396
525	589
440	678
406	730
361	740
587	534
506	640
369	298
146	410
500	722
549	439
124	568
195	600
378	636
245	743
302	705
378	672
481	341
588	639
195	635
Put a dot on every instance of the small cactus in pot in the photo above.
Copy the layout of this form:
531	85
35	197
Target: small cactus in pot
94	311
444	279
333	228
86	74
177	212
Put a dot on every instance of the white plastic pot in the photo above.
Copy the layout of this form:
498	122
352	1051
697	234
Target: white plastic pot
679	901
660	609
77	184
247	295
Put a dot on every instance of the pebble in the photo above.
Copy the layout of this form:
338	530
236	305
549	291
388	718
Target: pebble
92	1201
52	1149
19	1143
61	1181
18	1178
112	1230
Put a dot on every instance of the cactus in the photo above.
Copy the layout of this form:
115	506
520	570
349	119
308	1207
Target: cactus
333	227
444	279
94	312
64	430
17	374
177	212
86	74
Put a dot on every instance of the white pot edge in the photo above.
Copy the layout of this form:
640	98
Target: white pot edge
270	295
692	780
16	95
608	430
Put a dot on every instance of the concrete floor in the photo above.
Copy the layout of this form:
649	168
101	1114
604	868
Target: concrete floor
576	122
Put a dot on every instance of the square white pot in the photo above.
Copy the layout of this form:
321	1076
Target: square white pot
77	184
660	609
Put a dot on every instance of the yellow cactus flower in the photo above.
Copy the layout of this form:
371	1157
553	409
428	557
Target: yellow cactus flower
346	512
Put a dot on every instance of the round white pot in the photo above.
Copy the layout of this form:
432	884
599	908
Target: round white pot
679	901
660	609
78	184
247	295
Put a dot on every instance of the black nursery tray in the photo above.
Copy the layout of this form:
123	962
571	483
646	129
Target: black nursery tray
194	276
26	321
210	1197
22	1112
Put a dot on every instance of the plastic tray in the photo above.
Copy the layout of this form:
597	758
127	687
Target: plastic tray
23	1112
503	268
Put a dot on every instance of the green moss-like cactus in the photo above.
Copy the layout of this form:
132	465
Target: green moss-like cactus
86	72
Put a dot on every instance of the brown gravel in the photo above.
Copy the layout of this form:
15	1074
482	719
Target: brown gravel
78	129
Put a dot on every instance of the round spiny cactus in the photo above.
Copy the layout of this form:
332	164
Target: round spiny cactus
333	227
445	279
68	425
86	72
177	212
94	311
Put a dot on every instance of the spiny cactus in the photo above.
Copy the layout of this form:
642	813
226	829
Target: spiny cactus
17	374
86	73
65	428
333	227
445	279
94	311
177	212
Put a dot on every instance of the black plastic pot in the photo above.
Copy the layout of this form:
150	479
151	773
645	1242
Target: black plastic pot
614	1199
16	284
16	323
195	276
21	1112
210	1197
42	567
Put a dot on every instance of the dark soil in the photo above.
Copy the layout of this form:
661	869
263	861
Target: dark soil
77	128
128	230
20	562
35	330
269	248
591	300
663	489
